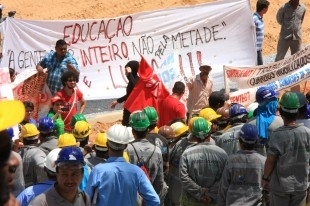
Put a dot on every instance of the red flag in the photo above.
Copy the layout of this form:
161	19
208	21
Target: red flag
148	91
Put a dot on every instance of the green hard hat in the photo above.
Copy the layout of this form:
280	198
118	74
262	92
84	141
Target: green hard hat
151	113
76	118
201	128
139	121
289	102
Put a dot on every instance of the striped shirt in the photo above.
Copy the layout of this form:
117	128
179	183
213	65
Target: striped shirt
199	93
55	68
259	29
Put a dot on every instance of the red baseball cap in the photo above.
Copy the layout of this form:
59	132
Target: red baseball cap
55	99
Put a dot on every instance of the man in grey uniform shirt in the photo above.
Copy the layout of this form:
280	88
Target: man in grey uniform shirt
201	168
142	150
69	174
287	164
242	175
228	141
290	16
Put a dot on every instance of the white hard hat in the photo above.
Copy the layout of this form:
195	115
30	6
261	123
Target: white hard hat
50	159
119	134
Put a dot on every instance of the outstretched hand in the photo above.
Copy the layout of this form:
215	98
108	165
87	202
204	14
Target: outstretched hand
113	104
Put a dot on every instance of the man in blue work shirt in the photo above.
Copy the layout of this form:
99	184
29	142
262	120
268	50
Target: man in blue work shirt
117	182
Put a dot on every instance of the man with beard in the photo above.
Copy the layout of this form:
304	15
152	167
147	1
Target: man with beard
70	96
69	173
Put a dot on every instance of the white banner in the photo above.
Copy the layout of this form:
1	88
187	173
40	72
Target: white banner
221	33
279	76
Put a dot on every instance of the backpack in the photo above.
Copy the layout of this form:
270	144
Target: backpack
143	164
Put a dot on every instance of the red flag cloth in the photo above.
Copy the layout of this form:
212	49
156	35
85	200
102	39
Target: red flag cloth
148	91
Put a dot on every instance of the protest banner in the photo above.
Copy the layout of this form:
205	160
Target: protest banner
279	76
221	33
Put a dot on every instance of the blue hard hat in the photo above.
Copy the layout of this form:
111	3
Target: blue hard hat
70	155
248	133
10	132
45	125
265	93
236	110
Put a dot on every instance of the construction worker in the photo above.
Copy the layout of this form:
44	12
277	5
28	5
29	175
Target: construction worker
242	175
66	140
33	157
117	182
266	119
69	173
76	118
48	139
167	132
221	122
201	167
141	150
100	154
180	130
230	137
174	182
211	116
31	192
81	132
287	164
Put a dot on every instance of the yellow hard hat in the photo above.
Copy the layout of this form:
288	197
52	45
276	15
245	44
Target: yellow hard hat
179	128
66	140
126	156
29	131
101	139
12	112
209	114
156	129
81	129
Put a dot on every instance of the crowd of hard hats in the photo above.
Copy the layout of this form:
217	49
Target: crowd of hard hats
214	137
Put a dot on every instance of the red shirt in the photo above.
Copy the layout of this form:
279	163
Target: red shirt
170	109
72	103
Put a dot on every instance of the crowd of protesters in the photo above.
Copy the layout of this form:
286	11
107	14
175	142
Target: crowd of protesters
209	152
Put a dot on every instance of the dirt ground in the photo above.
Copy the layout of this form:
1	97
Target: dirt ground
81	9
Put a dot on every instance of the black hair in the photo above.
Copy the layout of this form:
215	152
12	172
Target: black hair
289	116
30	141
67	75
134	65
11	71
102	154
308	97
261	4
28	104
217	100
84	142
140	134
302	111
61	42
42	136
152	126
178	88
247	146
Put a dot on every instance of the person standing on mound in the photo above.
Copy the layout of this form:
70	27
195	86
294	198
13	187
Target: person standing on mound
261	9
57	63
290	16
131	71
